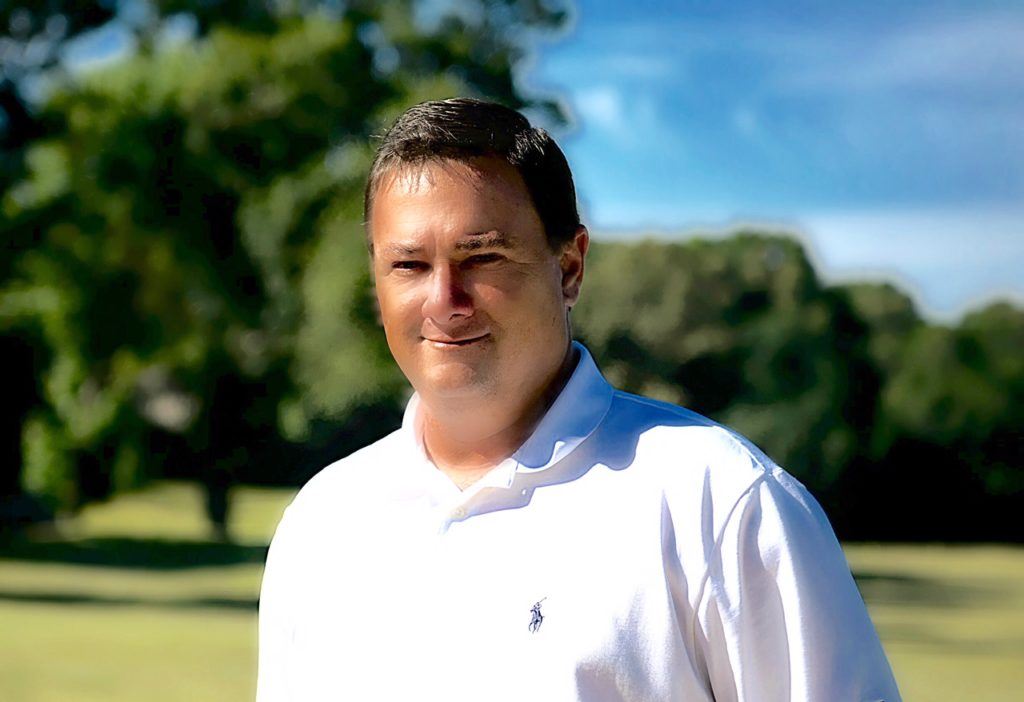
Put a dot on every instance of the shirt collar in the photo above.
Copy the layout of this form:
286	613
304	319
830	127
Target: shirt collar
575	414
573	417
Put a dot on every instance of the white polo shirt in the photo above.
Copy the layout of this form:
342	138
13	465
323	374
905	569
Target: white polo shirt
629	550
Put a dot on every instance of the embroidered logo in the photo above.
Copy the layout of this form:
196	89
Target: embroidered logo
536	618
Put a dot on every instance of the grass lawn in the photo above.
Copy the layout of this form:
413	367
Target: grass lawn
132	601
951	617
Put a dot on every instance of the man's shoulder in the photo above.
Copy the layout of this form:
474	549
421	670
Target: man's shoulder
701	467
692	435
681	447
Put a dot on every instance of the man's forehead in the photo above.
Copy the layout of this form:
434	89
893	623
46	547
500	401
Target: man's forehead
477	172
473	204
410	177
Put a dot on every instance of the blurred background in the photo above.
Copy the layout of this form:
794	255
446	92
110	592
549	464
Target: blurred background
808	223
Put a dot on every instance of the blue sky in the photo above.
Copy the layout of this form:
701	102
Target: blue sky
889	136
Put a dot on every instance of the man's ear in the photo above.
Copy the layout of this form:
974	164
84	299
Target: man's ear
572	263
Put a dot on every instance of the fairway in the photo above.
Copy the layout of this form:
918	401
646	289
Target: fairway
131	601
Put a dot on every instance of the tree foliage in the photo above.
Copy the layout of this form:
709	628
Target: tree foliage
185	229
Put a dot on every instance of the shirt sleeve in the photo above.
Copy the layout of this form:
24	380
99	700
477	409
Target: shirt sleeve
780	617
275	626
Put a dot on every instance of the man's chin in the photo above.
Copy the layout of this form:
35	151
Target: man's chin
456	381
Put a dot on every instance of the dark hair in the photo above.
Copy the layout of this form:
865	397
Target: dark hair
464	128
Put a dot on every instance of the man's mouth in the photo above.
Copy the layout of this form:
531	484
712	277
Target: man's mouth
462	341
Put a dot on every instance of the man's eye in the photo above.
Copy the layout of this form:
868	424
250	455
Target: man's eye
483	259
408	265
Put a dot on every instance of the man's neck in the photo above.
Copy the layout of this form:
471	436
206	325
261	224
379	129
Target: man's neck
465	457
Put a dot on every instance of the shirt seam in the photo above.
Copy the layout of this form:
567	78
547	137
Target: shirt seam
703	590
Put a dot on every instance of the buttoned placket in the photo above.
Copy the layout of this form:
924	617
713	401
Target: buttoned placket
455	505
448	503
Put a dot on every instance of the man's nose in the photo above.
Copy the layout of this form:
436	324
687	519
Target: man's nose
447	297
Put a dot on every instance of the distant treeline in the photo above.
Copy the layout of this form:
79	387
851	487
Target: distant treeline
184	288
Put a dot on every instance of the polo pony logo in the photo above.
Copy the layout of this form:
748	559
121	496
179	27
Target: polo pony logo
536	618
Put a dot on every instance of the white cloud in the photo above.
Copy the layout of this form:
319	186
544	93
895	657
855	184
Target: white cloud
982	52
926	237
977	49
950	258
602	106
628	118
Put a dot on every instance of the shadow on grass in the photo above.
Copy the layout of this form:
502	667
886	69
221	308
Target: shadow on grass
912	591
922	636
146	554
909	590
61	598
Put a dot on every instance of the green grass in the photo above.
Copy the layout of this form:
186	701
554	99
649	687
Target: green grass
131	600
951	617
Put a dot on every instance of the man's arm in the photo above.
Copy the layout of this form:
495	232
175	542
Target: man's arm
780	616
274	625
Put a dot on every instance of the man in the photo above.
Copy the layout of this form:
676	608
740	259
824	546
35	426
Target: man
531	532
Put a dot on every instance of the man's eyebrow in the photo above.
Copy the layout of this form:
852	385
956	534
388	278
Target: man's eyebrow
493	239
401	249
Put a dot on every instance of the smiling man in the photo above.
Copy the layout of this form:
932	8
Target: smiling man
474	300
530	532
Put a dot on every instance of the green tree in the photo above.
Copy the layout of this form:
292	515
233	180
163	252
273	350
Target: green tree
890	316
994	336
190	250
961	391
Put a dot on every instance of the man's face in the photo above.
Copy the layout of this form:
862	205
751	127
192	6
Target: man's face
472	298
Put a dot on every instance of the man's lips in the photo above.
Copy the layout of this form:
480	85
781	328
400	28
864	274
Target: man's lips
457	341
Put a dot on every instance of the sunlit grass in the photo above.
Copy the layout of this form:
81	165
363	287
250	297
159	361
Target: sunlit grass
86	653
88	631
132	601
951	617
175	511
